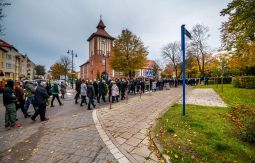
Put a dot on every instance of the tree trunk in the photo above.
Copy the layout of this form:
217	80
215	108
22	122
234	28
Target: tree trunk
176	71
199	66
203	64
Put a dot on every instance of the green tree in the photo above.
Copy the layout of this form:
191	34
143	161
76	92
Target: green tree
98	75
238	32
155	70
40	70
129	53
57	70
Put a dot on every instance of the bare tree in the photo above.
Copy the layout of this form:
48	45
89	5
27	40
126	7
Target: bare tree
66	62
160	63
172	53
198	45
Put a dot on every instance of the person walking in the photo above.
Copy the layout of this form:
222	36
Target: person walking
95	85
90	94
19	92
63	89
109	85
114	91
55	92
9	103
48	88
78	90
101	91
41	98
122	89
30	95
83	92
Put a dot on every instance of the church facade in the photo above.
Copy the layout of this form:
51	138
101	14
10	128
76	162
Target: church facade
100	53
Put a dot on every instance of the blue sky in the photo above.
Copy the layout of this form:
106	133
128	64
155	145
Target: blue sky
46	29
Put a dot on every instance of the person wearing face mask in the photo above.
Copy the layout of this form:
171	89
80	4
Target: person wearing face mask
41	98
9	103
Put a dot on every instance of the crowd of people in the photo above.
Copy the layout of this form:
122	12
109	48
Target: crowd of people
20	95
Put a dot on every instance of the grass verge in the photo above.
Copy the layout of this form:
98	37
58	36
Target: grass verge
208	134
204	134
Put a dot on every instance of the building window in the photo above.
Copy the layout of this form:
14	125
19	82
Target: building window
103	41
8	57
8	65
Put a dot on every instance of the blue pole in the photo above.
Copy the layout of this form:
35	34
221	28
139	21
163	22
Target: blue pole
183	68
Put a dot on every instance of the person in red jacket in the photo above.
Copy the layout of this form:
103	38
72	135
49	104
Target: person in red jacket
19	92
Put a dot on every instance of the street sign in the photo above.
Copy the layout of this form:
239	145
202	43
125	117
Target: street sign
184	32
148	73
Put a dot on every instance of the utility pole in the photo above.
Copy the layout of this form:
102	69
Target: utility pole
72	54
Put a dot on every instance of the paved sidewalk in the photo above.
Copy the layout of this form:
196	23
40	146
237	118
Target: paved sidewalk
204	97
128	124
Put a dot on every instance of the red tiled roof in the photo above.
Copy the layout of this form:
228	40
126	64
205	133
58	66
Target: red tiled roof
101	24
5	44
150	64
101	32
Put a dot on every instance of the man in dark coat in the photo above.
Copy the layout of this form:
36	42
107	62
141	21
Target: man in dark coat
9	103
41	98
78	90
101	91
142	85
122	89
90	94
95	85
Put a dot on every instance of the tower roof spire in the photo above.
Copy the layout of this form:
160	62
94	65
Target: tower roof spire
101	24
100	31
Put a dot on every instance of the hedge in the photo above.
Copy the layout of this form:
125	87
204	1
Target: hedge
244	82
243	117
226	80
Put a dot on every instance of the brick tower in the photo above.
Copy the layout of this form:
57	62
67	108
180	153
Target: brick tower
100	51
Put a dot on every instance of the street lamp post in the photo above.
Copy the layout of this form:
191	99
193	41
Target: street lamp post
72	54
105	74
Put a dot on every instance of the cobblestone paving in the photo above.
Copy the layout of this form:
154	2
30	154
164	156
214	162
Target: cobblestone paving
69	136
204	97
128	124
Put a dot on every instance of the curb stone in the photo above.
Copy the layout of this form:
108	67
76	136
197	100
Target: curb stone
109	141
123	151
159	148
152	136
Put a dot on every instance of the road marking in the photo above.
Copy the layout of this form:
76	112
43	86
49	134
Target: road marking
112	148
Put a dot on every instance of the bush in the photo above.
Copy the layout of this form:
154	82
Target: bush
243	117
210	82
244	82
226	80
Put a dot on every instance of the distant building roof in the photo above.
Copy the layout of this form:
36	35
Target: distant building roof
150	64
101	32
84	63
5	44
